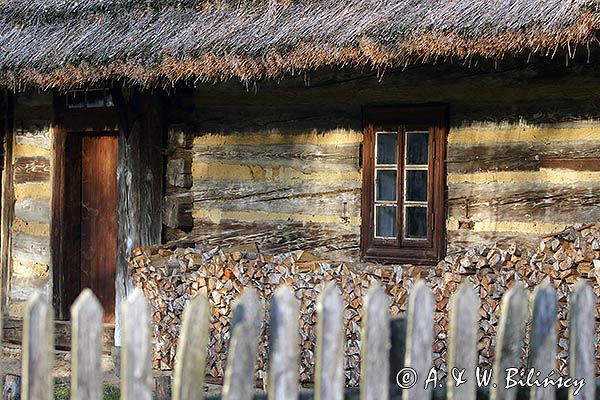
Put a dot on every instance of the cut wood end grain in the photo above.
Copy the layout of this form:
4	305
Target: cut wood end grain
171	277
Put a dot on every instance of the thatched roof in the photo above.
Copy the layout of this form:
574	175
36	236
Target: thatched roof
59	43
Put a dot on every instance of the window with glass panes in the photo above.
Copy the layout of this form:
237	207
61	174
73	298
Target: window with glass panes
403	188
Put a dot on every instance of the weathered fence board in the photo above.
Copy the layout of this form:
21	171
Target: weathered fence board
243	347
542	340
508	343
419	342
329	371
191	351
375	340
283	371
462	347
136	361
582	322
38	353
411	339
86	315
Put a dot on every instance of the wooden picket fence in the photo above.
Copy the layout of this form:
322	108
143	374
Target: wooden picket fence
239	381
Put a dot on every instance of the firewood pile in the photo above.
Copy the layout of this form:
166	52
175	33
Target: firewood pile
170	277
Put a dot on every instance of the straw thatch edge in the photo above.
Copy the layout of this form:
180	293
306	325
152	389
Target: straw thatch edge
213	68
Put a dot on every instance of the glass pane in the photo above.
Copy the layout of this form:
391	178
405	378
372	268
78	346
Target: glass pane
109	99
76	99
416	222
387	148
417	148
416	185
386	185
385	221
95	98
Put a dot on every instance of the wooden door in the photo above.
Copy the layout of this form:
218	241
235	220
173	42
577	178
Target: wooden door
91	217
99	218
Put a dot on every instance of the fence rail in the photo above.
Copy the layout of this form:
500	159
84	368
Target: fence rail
376	337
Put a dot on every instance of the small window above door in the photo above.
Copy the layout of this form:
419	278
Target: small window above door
403	185
89	99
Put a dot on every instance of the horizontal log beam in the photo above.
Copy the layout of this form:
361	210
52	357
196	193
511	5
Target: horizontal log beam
13	333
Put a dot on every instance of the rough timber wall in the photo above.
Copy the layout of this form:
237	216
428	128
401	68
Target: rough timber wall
521	180
278	165
31	179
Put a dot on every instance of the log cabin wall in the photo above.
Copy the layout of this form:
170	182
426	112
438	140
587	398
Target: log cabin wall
30	253
277	165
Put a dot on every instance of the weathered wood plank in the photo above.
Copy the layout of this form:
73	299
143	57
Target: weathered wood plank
13	333
524	156
34	210
32	169
239	381
525	202
331	241
303	157
508	342
86	316
36	134
576	164
191	352
136	359
542	338
329	370
179	171
38	353
582	326
375	346
337	198
419	341
31	248
462	344
139	181
451	85
8	197
63	239
284	343
534	91
177	211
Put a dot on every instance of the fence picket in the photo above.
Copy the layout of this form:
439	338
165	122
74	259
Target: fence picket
190	363
240	381
283	369
419	341
508	342
329	370
542	341
462	344
86	347
136	363
38	349
375	341
582	320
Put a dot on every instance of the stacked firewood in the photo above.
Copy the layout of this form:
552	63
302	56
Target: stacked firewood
171	277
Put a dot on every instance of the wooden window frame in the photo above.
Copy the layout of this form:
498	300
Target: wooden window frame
400	119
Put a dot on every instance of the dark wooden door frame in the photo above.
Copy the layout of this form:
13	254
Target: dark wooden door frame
65	123
138	119
8	197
